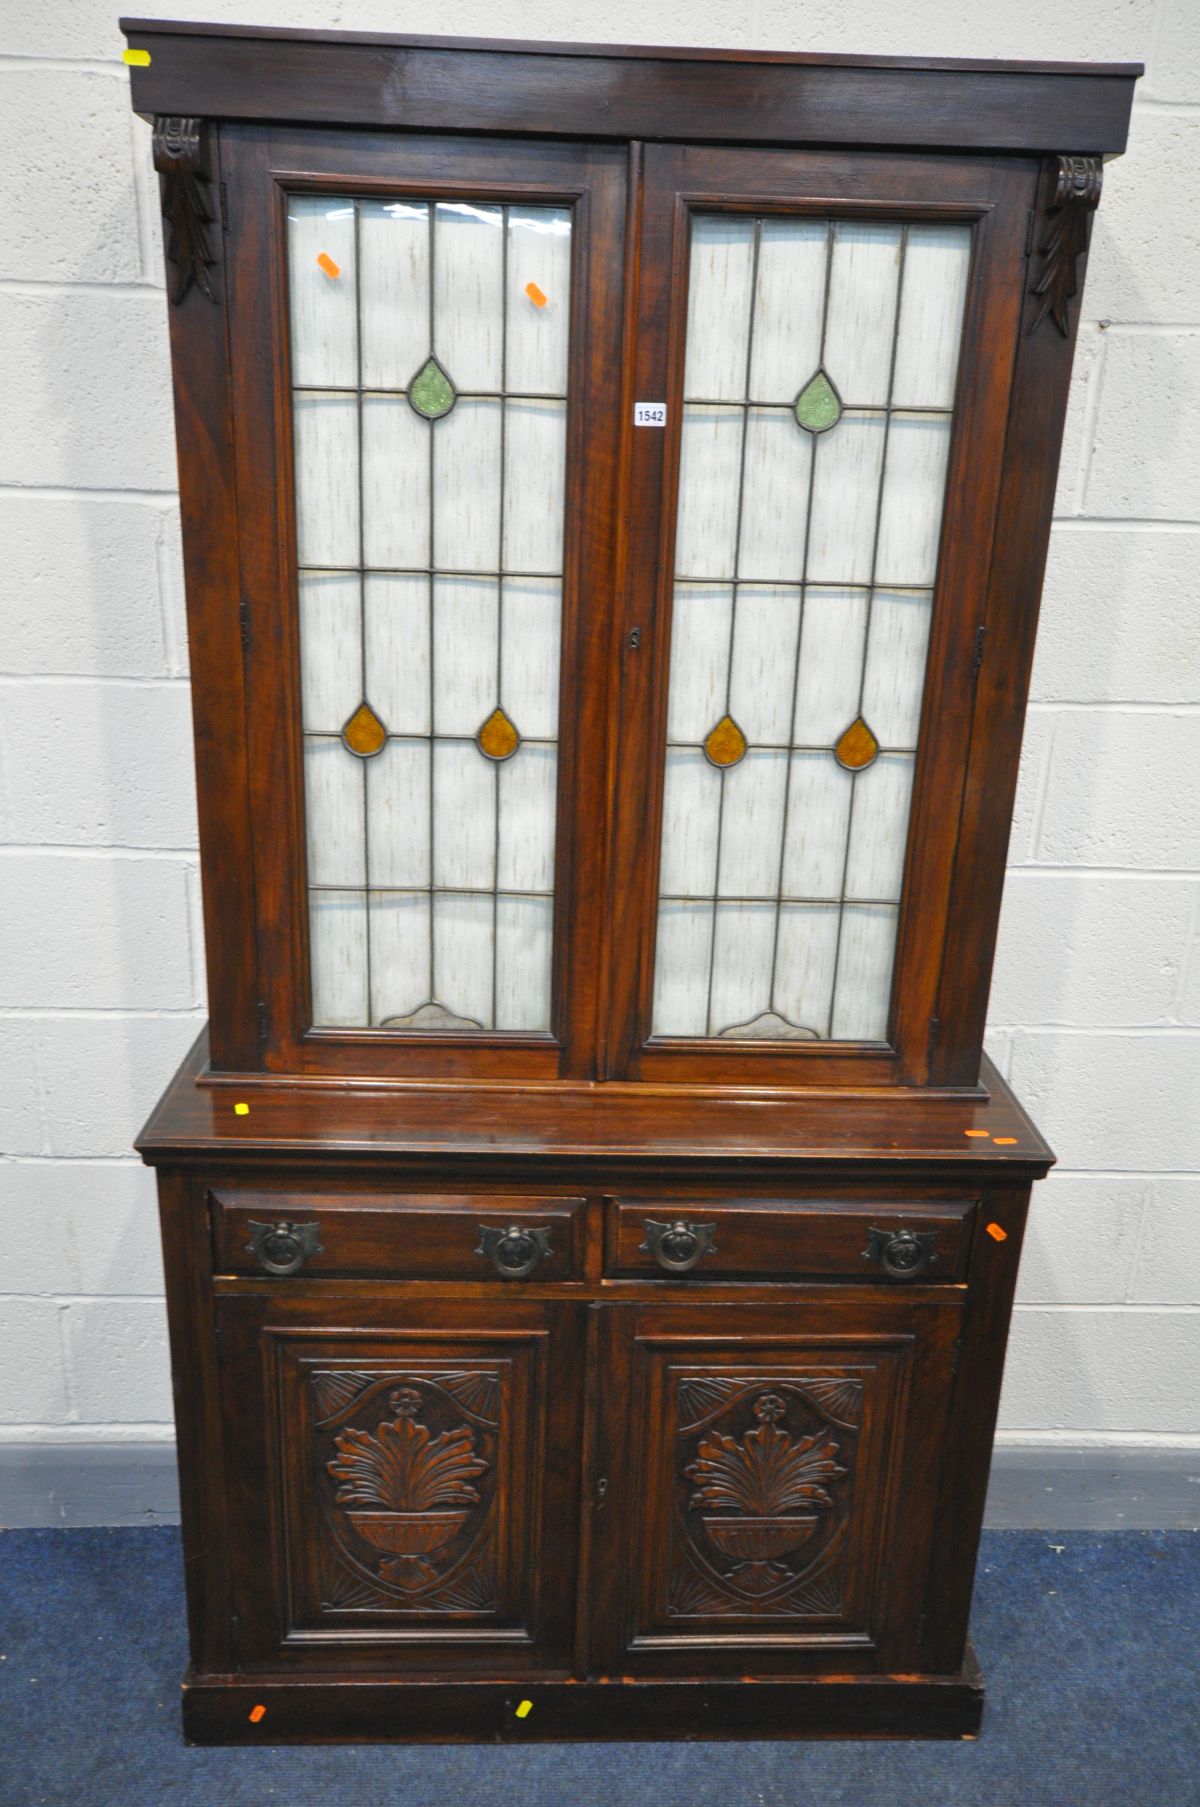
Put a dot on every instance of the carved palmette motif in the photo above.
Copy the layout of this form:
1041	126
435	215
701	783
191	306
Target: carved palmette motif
179	160
1063	238
410	1522
759	1527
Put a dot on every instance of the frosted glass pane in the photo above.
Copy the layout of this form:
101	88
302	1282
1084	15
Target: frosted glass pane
466	487
524	927
464	813
534	473
774	496
326	453
337	934
709	468
741	975
466	615
429	840
764	663
681	969
397	648
913	486
879	829
395	484
691	802
864	982
334	814
804	963
699	660
532	613
322	294
400	979
468	294
398	813
895	674
539	255
330	649
936	266
817	818
822	547
846	467
462	943
787	334
830	664
527	794
863	285
393	241
719	287
752	825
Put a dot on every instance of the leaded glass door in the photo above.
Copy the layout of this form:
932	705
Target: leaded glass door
824	439
438	313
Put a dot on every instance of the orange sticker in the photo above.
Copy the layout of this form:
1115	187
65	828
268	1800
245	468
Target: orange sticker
535	294
257	1713
1005	1141
326	263
996	1233
241	1110
525	1709
977	1132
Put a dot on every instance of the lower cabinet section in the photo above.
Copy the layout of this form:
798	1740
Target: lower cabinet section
408	1479
426	1487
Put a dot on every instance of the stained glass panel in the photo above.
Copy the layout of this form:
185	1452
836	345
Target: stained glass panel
819	382
429	348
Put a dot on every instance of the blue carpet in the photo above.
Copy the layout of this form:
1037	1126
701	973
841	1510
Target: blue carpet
1089	1653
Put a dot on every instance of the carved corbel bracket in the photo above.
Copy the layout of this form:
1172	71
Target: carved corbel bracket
1064	238
179	160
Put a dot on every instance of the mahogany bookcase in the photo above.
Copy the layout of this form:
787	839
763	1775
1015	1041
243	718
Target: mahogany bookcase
616	486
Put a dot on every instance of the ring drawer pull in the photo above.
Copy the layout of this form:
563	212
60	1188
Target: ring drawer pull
283	1248
514	1252
902	1254
677	1246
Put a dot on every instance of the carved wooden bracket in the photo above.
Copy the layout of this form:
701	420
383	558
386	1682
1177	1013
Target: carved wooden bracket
1065	238
179	160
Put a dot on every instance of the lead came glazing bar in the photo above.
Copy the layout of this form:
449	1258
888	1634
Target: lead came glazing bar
416	334
844	518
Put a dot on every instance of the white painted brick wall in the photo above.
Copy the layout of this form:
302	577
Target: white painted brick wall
1096	1008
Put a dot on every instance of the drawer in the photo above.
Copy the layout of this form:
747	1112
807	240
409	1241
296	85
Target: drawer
765	1238
440	1236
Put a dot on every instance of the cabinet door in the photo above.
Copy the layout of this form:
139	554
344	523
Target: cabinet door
423	334
830	341
765	1484
403	1478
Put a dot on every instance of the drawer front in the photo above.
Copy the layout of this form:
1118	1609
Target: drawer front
441	1236
891	1242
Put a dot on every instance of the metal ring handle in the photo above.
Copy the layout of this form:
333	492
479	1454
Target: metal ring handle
514	1251
283	1248
902	1254
677	1246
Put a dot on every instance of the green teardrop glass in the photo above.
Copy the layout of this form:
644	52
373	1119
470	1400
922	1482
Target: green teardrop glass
818	405
431	393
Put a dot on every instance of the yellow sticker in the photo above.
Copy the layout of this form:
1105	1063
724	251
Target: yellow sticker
996	1233
241	1110
137	59
525	1709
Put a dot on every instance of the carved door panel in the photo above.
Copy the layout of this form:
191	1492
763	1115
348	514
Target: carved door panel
406	1479
766	1483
